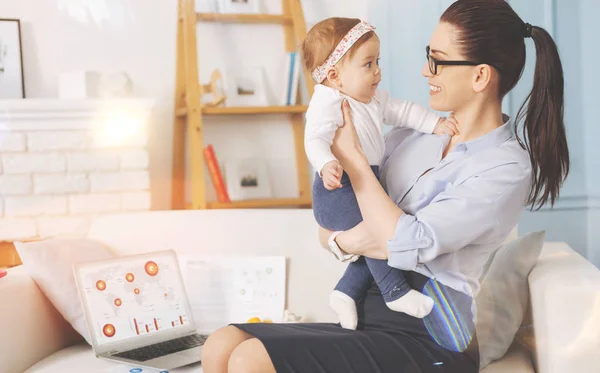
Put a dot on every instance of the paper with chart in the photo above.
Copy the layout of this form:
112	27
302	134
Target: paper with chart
222	290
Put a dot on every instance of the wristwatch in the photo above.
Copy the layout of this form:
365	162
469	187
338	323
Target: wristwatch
337	252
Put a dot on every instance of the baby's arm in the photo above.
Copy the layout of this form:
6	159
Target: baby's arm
401	113
323	118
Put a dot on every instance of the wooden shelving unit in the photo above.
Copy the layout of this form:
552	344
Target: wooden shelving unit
248	110
189	112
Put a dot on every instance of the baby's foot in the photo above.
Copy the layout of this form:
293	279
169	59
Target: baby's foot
412	303
345	307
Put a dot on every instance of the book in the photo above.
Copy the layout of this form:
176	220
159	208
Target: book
291	78
215	174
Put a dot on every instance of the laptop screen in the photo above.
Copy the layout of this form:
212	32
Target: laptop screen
136	296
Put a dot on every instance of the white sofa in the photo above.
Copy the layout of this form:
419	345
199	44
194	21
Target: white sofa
34	338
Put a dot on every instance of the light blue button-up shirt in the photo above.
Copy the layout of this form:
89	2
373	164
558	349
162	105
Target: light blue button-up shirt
459	209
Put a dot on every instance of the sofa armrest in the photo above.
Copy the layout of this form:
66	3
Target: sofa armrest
565	301
30	327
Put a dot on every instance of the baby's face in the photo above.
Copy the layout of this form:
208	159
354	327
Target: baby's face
360	75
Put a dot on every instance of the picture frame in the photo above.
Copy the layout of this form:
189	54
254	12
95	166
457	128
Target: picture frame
12	80
246	87
207	6
247	179
240	6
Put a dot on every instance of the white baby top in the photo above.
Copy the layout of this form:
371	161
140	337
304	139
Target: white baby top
324	116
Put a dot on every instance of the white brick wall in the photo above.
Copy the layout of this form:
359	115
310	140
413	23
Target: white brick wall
93	161
119	181
27	163
94	203
58	172
59	140
12	142
61	183
35	206
136	201
134	159
15	185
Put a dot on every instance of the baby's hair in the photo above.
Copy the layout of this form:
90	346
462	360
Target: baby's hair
323	37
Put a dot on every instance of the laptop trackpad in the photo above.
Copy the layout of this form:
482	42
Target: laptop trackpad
193	353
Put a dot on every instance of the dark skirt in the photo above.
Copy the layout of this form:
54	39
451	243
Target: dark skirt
385	341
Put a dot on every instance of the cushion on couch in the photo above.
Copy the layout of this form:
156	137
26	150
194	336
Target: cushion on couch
503	298
50	263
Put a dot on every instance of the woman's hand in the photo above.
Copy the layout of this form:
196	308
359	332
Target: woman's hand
346	145
358	240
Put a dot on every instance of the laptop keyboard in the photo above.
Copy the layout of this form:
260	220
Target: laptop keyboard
164	348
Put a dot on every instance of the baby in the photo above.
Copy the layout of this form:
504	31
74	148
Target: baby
343	56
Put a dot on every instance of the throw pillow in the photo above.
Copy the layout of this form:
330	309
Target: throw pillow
504	295
50	263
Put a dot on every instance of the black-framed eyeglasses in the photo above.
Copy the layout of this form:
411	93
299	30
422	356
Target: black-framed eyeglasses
434	63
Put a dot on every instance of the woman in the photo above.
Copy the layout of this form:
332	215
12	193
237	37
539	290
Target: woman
451	202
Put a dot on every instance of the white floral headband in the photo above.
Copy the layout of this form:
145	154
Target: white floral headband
320	73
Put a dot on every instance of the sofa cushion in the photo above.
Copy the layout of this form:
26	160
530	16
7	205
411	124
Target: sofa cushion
516	360
504	295
50	263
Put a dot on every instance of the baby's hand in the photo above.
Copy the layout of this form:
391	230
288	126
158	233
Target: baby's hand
332	174
447	126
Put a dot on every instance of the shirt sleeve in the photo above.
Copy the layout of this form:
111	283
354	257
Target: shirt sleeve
401	113
323	117
479	210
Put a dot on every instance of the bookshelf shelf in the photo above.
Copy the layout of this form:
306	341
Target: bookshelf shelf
259	203
249	110
245	18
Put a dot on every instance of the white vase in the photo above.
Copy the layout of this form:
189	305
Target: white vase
115	85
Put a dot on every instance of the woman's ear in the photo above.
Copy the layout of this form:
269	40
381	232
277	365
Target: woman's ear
333	76
482	77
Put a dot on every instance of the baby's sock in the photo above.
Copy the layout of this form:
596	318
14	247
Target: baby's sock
345	307
412	303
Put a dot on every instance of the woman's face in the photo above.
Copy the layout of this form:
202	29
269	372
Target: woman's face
452	87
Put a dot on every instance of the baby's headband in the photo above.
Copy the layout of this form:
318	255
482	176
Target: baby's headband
320	73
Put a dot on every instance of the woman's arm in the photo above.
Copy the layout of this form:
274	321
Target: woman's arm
358	240
380	214
483	208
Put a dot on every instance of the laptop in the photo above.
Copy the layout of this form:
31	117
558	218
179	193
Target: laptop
137	310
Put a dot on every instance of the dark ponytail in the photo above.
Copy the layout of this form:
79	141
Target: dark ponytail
543	128
490	31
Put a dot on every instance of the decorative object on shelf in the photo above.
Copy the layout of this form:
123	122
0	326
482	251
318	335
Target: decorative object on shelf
215	174
247	179
215	88
246	86
12	81
115	85
239	6
78	85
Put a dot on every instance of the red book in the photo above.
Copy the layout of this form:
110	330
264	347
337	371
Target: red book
215	174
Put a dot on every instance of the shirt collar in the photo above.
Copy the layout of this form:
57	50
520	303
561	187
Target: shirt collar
489	140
